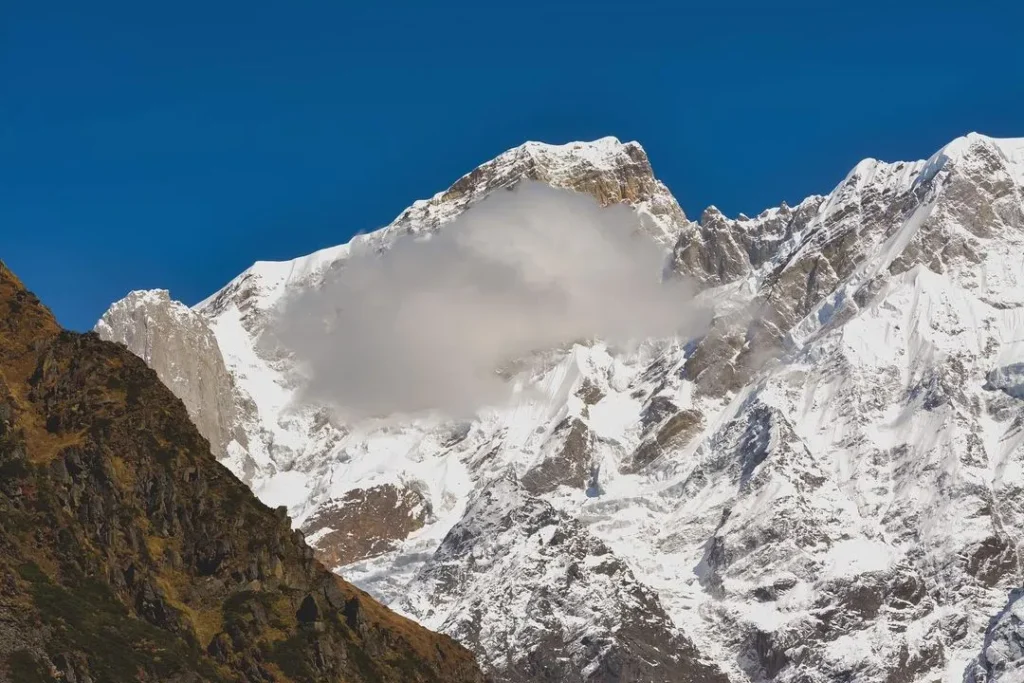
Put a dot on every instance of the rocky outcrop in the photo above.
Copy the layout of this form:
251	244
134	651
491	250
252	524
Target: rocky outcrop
128	553
663	433
180	346
610	171
719	250
569	462
364	523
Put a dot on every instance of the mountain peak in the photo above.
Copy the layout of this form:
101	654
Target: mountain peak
610	171
1010	149
607	169
606	142
599	150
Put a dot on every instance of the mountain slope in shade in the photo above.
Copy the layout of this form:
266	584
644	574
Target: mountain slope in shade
824	486
128	554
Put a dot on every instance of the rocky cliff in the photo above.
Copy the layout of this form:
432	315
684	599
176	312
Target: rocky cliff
127	553
178	344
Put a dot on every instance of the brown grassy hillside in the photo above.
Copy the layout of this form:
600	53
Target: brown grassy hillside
127	553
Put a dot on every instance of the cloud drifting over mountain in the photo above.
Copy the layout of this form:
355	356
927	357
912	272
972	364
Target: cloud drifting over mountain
426	324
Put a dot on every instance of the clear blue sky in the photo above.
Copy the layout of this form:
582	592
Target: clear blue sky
173	144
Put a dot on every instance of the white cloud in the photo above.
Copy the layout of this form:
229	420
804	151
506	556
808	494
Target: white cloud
425	325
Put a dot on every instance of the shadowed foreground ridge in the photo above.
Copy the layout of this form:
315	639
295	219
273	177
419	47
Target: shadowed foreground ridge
127	553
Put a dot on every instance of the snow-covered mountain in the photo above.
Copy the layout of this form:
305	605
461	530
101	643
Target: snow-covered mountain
823	485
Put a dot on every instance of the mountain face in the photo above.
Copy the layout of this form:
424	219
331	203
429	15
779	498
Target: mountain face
823	485
128	554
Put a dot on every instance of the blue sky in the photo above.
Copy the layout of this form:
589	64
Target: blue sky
172	144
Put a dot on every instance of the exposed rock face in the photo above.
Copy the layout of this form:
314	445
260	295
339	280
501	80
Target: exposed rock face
606	169
567	461
825	487
128	553
664	432
178	343
365	523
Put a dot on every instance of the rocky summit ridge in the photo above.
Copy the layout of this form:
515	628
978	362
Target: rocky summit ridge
824	485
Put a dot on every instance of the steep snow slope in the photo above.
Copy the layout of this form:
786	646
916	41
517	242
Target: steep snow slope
825	486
